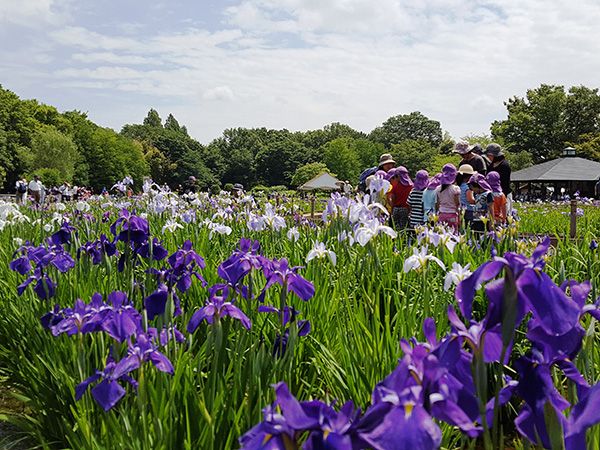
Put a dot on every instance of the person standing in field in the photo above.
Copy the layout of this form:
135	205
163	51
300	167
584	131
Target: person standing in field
416	216
476	149
386	163
430	197
448	195
398	196
483	199
35	187
468	157
465	172
21	191
493	179
500	164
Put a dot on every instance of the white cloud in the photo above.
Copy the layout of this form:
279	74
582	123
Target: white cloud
30	13
301	64
219	93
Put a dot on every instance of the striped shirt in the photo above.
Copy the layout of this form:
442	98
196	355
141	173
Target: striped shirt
417	211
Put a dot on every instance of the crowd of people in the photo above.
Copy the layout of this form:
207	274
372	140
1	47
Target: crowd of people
476	195
35	192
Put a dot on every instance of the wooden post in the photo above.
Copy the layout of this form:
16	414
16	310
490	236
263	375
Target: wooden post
573	228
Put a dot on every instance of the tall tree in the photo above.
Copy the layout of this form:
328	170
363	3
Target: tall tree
153	119
53	150
341	158
582	112
414	126
172	124
535	123
414	154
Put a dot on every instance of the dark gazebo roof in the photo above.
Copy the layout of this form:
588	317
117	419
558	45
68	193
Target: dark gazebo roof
560	169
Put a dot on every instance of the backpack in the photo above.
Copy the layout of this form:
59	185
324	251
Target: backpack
21	188
362	179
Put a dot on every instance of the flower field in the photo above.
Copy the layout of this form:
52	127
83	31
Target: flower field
166	322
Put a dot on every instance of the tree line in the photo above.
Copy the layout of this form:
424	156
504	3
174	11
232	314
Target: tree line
37	138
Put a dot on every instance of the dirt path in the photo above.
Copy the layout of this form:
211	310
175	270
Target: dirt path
9	434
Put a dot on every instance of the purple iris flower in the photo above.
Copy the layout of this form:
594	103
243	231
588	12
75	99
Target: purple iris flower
216	307
143	350
279	272
186	257
241	262
283	421
108	392
405	427
63	235
541	398
118	318
156	250
43	286
156	302
20	265
130	228
536	292
82	318
98	249
121	320
287	420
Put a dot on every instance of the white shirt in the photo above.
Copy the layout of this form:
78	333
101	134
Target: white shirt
34	185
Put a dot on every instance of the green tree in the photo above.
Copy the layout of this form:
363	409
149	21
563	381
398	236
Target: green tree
482	139
153	119
439	161
238	148
315	139
368	152
535	123
588	146
447	144
172	124
582	112
413	126
340	157
277	161
49	176
53	150
519	160
414	155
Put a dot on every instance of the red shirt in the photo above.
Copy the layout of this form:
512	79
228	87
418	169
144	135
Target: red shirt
398	195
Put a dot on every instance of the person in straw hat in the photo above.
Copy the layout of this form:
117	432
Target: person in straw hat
386	163
469	157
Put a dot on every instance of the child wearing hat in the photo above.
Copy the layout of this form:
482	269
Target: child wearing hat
465	172
493	179
483	200
416	216
398	196
430	197
448	197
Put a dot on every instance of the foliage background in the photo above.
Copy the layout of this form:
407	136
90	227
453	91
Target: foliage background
37	138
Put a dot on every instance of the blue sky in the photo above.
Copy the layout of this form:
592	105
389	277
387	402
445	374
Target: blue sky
295	64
